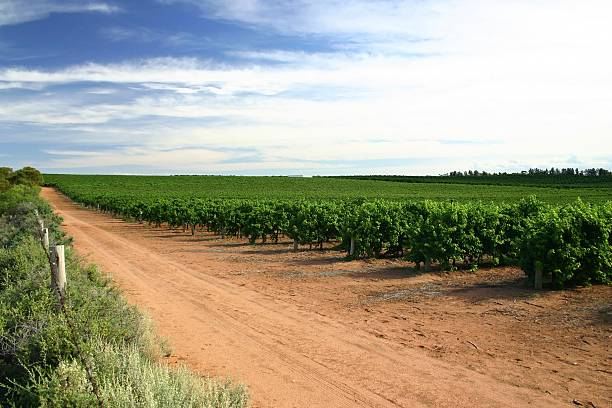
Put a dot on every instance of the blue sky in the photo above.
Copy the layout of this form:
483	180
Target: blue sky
303	86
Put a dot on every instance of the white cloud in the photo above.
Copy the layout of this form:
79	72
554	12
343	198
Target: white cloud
18	11
17	85
138	156
100	91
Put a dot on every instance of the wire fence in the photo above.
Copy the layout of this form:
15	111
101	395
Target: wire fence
57	263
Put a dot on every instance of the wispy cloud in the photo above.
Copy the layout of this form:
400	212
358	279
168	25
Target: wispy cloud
185	41
79	153
140	156
382	25
378	17
17	11
356	71
100	91
19	85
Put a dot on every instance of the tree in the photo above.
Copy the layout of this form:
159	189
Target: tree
28	176
4	173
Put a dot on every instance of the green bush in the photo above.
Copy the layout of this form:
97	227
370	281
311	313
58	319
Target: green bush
376	227
28	176
5	172
572	243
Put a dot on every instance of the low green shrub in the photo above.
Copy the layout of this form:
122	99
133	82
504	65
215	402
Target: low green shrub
44	349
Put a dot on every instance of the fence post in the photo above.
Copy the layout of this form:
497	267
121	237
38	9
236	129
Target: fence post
41	224
59	269
45	239
538	275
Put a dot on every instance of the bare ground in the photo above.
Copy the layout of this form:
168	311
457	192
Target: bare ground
309	329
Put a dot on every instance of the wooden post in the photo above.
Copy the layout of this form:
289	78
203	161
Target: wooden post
538	275
59	269
53	263
427	264
295	244
45	238
352	247
41	224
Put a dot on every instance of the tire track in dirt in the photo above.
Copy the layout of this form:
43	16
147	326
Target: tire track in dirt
288	357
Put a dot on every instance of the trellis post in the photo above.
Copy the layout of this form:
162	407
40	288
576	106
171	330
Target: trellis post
538	276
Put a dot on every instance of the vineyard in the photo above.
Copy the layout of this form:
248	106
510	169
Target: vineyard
568	238
562	181
595	190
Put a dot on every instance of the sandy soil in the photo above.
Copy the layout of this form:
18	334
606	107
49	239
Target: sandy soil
307	329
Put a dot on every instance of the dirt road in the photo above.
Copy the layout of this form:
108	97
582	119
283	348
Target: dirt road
289	355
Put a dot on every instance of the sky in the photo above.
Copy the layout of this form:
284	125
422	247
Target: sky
306	87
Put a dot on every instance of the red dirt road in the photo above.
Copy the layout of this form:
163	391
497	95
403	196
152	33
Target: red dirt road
223	316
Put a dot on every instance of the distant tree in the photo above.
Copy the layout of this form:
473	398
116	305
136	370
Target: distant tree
5	172
535	171
27	175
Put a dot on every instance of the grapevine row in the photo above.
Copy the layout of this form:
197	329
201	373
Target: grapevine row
572	242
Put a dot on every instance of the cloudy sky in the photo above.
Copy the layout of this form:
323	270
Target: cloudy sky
305	86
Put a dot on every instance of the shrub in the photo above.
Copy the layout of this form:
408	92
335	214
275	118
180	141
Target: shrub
28	176
572	243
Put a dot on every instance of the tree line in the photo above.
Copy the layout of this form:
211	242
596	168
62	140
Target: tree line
569	171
